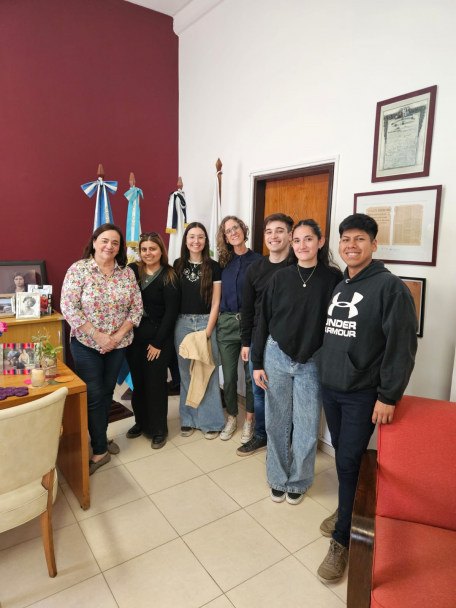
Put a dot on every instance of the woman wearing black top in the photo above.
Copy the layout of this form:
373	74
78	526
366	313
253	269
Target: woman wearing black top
200	280
290	330
150	352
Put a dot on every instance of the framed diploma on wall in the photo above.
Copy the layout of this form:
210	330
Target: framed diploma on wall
403	136
418	290
408	223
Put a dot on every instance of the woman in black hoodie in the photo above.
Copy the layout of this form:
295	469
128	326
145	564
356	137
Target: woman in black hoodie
290	330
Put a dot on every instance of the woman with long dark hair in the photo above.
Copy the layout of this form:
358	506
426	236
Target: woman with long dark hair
290	330
102	303
150	352
200	280
234	258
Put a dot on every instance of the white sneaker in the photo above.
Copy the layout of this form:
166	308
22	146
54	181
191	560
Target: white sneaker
247	431
230	428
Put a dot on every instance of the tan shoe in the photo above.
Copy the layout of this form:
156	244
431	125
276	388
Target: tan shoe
93	466
328	525
332	568
113	448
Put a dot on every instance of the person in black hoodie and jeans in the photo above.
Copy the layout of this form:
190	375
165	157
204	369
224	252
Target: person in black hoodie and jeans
364	365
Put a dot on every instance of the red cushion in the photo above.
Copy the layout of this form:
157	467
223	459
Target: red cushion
414	566
417	463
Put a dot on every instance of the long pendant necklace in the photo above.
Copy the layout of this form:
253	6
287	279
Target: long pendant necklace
304	283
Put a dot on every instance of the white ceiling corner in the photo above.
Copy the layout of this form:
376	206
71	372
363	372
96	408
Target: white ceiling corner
184	12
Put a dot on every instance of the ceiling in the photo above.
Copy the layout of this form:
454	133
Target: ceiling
168	7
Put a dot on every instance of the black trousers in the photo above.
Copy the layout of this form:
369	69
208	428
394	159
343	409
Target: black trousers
349	418
150	380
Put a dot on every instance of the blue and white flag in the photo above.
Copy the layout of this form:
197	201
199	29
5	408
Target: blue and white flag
133	218
103	213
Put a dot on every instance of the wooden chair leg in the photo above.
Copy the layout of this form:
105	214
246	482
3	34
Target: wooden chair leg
46	525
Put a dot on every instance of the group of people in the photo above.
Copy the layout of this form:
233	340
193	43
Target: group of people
307	333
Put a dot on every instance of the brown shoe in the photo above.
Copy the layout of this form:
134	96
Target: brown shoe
113	448
93	466
328	525
332	568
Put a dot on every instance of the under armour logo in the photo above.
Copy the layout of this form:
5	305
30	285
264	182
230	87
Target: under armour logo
357	297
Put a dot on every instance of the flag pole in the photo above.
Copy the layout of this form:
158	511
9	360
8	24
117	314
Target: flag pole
218	166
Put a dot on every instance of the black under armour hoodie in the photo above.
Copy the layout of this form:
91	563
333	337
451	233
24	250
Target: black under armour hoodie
370	336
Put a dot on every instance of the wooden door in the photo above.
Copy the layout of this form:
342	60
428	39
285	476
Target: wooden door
303	197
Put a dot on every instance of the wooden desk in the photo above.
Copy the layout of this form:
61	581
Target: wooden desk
22	330
73	456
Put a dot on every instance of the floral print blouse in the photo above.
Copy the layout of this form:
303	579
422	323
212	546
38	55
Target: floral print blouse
88	296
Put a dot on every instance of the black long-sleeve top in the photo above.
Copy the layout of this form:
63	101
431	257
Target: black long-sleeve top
161	302
256	279
294	315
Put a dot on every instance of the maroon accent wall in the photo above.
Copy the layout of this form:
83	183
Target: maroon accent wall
82	82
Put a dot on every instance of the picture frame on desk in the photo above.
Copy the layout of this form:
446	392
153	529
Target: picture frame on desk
15	276
28	305
7	305
17	358
418	290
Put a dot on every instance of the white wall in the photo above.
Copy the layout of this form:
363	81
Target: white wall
273	83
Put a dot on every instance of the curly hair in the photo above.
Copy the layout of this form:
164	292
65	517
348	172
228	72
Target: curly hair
225	250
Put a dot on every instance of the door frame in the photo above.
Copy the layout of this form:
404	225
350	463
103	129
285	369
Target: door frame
258	181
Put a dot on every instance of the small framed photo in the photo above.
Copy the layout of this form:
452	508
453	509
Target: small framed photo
408	223
403	136
28	305
7	305
418	290
15	277
17	359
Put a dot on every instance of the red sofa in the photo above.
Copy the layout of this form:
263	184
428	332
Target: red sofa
403	537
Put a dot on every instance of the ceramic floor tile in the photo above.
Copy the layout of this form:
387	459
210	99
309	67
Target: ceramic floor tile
325	489
126	532
312	555
93	593
173	408
294	526
220	602
323	462
24	577
213	454
169	576
133	449
281	585
262	456
245	481
174	427
108	489
234	548
193	504
156	473
62	516
120	427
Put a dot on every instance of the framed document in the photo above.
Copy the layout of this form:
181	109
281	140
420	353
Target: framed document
408	223
418	290
403	136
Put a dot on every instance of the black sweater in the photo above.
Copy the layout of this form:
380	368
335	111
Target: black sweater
370	336
161	303
256	279
295	315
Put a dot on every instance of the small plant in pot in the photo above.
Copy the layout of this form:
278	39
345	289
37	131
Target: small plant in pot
46	354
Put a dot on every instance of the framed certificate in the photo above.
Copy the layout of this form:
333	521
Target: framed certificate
403	136
408	223
418	290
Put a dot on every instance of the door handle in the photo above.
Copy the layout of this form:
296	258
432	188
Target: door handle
60	337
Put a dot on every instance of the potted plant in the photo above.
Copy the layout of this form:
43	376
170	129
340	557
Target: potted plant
46	354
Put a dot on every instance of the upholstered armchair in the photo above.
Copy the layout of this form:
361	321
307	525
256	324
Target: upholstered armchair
403	536
29	441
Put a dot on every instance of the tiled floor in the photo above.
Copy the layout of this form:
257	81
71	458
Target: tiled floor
187	526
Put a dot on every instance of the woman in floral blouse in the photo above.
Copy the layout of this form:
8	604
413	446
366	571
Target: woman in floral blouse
102	303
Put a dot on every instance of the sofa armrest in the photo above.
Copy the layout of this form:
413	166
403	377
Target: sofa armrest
362	534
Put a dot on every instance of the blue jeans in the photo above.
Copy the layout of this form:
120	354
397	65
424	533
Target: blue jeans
208	416
258	404
349	418
293	400
100	373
